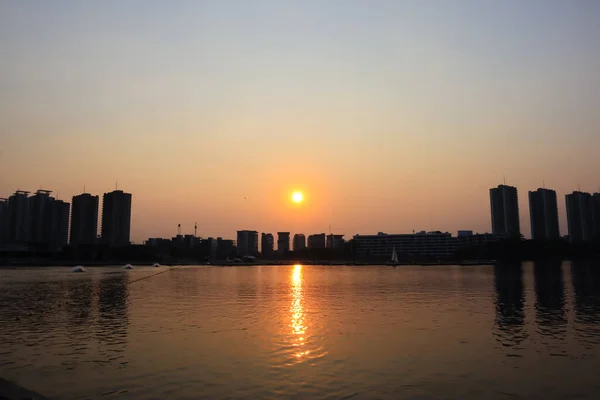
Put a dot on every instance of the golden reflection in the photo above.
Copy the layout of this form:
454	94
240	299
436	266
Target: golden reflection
297	312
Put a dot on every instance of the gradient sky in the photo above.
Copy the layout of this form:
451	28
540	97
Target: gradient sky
390	115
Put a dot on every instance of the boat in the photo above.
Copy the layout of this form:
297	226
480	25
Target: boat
156	265
128	266
394	260
78	268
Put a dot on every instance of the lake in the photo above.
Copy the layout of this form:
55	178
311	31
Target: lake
511	331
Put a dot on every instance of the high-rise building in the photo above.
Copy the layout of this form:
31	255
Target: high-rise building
579	216
335	242
299	242
596	215
247	243
267	244
504	204
116	218
41	217
18	217
60	223
283	242
3	220
84	220
316	241
543	212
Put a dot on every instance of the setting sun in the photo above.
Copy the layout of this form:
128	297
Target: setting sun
297	197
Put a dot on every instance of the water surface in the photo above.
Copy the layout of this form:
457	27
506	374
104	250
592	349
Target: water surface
497	332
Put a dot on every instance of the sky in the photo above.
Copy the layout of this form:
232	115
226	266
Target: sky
391	115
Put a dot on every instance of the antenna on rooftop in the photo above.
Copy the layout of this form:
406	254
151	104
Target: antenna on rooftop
195	229
178	229
504	178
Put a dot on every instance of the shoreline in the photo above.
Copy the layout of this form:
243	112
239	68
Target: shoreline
247	264
12	391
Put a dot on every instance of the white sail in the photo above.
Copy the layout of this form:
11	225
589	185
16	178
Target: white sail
394	255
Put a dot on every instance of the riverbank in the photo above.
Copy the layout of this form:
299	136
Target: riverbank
45	263
12	391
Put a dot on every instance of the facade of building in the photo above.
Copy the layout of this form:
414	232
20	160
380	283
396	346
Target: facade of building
267	244
504	205
299	242
579	216
60	223
596	215
335	242
316	241
283	242
40	217
543	213
3	220
84	220
247	243
18	217
477	239
422	244
116	218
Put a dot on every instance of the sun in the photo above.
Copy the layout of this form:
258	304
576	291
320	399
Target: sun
297	197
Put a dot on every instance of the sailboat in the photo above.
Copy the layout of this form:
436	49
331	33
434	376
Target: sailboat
394	260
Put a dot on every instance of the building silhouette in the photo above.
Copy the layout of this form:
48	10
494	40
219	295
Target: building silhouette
596	215
3	220
60	223
299	242
543	212
84	220
579	216
18	217
283	242
267	244
116	218
504	204
316	241
335	242
424	244
40	216
247	243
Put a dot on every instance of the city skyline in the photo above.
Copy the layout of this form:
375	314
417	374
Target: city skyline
506	194
393	116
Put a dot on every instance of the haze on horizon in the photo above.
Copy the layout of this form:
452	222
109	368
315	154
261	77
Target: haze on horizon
388	115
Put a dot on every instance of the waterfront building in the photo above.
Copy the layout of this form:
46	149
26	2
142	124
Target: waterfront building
247	243
267	244
299	242
283	242
543	213
116	218
335	242
316	241
84	220
422	244
579	216
504	205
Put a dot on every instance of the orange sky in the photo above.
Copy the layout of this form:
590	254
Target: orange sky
389	117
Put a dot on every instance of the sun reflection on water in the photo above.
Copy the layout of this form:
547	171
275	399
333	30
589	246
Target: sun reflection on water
297	322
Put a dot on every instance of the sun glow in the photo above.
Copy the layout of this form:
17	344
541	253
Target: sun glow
297	197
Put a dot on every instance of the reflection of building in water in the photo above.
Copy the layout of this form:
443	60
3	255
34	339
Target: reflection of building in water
550	294
510	300
586	284
113	319
297	322
80	296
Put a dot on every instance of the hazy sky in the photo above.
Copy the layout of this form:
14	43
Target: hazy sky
390	115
